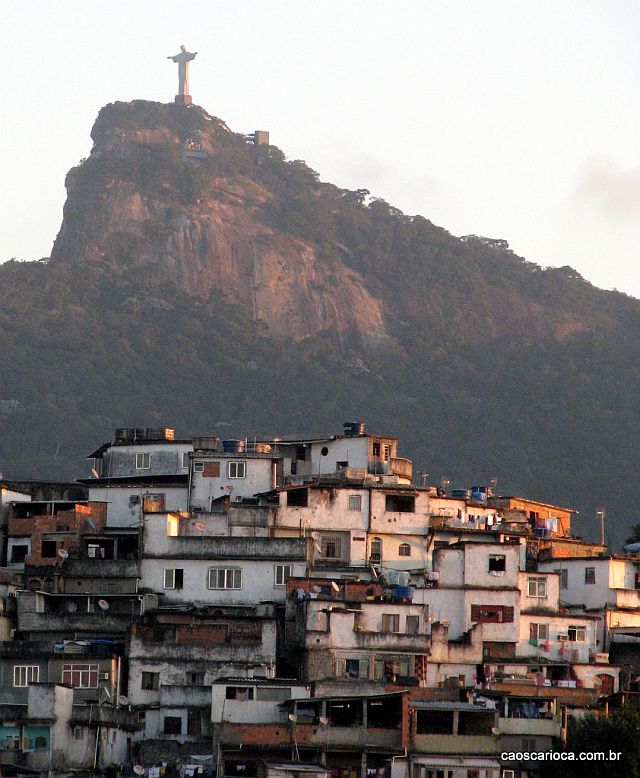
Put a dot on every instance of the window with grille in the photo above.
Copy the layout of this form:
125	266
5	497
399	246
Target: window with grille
355	502
282	572
23	675
237	469
185	460
225	578
376	550
404	549
81	676
195	678
564	577
331	546
589	575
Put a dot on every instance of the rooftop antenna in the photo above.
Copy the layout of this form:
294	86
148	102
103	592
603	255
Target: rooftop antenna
601	513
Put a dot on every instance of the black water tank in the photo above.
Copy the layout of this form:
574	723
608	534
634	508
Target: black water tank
233	446
354	428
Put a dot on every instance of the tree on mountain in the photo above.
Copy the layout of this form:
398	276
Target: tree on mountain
616	734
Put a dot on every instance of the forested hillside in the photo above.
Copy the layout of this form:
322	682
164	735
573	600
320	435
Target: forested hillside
201	282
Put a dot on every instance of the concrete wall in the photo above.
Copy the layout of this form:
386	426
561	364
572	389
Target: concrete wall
557	650
255	710
258	579
165	459
260	474
399	522
122	512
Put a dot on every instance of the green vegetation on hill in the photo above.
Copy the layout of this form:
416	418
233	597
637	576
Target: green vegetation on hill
496	367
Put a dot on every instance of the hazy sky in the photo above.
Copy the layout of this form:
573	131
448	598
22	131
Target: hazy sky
509	119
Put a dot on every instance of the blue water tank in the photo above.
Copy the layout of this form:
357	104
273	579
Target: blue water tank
403	593
233	446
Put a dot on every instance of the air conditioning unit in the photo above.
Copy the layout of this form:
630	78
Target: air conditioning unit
602	659
198	509
563	637
105	676
237	498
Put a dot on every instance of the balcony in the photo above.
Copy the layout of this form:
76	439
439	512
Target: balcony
183	696
530	727
328	737
523	688
455	744
401	467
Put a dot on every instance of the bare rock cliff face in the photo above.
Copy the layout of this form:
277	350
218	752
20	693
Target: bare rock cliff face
133	201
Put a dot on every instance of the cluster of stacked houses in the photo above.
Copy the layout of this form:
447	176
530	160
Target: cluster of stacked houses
296	607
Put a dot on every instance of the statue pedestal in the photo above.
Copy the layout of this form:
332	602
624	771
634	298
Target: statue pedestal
183	100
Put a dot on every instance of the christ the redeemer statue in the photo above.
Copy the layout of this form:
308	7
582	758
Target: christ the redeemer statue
183	59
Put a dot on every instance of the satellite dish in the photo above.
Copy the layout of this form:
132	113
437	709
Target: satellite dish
335	586
315	535
103	604
318	547
317	589
495	731
63	553
199	525
138	769
123	699
323	720
293	718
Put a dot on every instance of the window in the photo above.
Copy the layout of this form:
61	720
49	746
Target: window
577	634
237	469
78	733
400	503
389	669
404	549
492	614
390	622
589	575
497	563
331	545
564	577
537	587
143	461
212	470
225	578
173	526
343	465
173	578
298	498
355	502
23	675
376	449
150	682
387	453
196	722
282	572
195	678
412	625
198	467
352	668
376	550
185	460
49	549
242	693
172	725
82	676
528	744
19	553
538	632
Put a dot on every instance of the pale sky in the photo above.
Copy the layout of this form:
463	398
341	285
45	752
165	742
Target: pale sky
503	118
